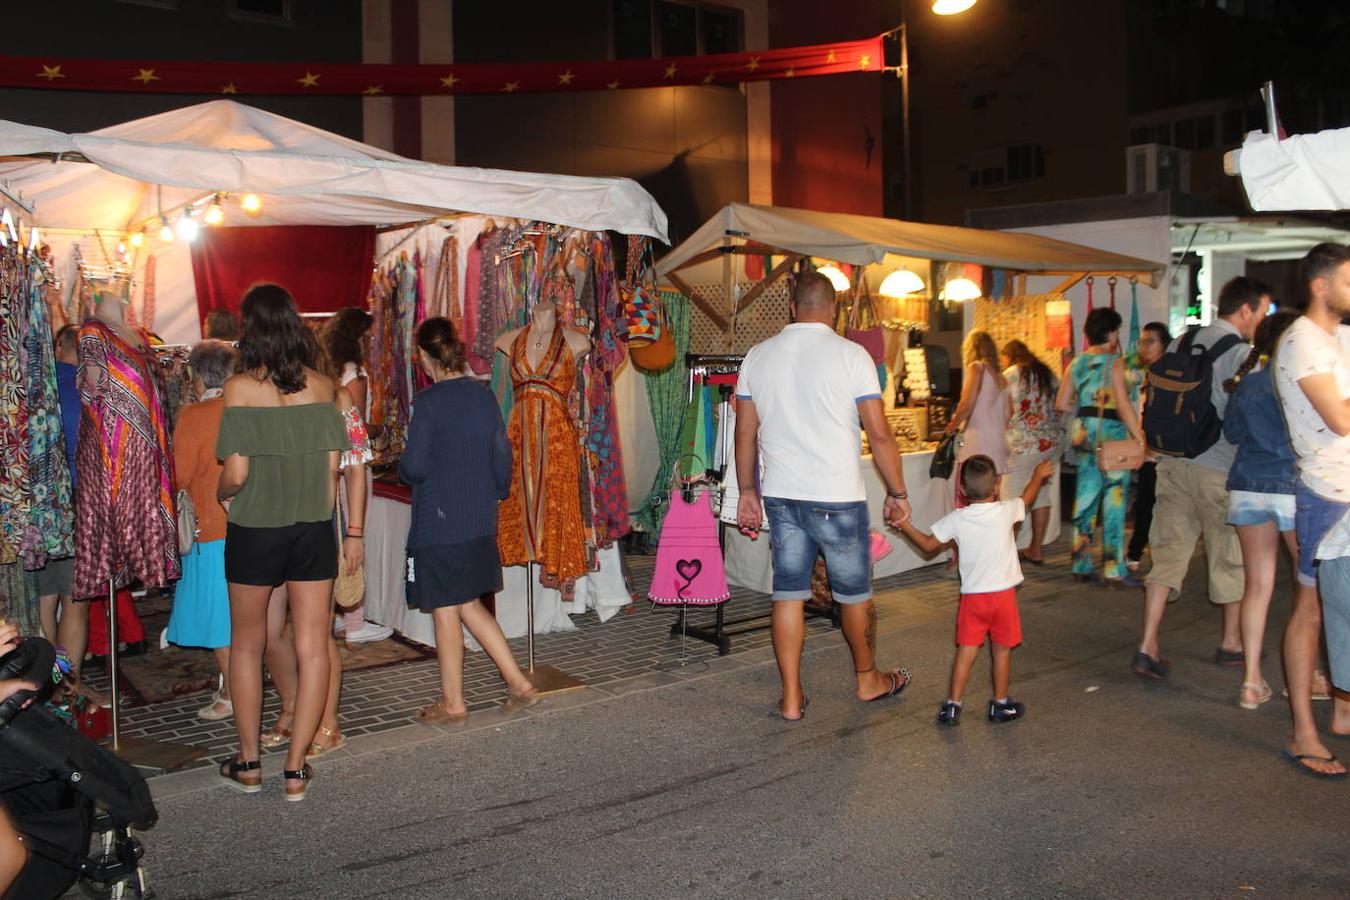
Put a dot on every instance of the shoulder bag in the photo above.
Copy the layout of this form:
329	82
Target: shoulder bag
187	523
1115	456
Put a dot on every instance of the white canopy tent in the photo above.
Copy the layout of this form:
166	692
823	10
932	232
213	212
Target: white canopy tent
1302	171
117	180
865	240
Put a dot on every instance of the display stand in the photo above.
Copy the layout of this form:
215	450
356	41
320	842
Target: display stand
153	756
546	679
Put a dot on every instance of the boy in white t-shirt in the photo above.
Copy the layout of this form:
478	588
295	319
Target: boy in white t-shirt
990	574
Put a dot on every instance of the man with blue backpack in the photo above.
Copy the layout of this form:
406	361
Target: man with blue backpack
1183	423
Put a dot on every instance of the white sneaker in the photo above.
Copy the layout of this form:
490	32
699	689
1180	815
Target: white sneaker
339	624
368	632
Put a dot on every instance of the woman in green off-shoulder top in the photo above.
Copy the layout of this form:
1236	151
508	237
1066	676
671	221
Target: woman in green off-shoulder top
280	438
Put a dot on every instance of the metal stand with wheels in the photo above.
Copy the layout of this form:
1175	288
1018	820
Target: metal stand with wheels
152	756
546	679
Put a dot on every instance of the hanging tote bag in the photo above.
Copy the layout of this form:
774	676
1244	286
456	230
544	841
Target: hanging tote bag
654	356
642	310
187	523
864	327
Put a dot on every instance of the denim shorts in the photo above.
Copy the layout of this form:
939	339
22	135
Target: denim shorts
1314	516
1334	578
800	530
1252	508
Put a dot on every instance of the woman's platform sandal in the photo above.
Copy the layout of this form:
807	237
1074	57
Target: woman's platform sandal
305	776
230	770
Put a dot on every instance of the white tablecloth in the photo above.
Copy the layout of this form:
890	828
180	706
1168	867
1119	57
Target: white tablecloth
387	526
750	563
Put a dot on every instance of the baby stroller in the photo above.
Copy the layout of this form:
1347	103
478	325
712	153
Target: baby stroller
60	788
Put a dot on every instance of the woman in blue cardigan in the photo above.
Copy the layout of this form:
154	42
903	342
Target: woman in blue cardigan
458	461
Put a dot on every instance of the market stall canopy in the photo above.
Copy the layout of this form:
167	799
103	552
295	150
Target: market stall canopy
107	179
1302	171
864	240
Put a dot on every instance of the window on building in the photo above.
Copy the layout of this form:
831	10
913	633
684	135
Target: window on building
1139	135
657	28
1026	162
1204	132
1183	134
272	12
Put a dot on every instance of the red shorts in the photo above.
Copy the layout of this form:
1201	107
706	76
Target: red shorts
992	615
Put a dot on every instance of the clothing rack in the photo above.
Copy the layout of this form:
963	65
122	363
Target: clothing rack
720	370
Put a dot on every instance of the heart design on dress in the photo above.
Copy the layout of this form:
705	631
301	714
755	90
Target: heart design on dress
689	568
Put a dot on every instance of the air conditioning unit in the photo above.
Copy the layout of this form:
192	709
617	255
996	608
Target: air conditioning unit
1154	167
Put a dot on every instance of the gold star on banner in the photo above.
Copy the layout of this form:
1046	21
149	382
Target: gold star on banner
511	87
753	64
146	76
450	80
671	70
613	84
830	57
373	90
864	61
566	77
310	80
229	89
791	72
51	73
707	79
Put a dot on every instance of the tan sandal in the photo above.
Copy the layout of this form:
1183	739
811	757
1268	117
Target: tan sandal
1259	693
275	737
516	702
316	749
437	714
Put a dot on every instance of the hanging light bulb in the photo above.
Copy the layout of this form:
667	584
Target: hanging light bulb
899	283
251	204
951	7
837	277
165	232
187	227
136	239
122	247
961	289
214	213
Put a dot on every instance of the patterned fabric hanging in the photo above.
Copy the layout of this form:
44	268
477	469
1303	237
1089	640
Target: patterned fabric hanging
13	409
608	490
1089	310
1134	314
667	395
50	531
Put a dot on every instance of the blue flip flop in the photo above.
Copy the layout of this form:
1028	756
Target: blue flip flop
1297	760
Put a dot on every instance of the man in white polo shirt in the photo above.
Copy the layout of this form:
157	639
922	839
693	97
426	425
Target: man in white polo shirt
803	398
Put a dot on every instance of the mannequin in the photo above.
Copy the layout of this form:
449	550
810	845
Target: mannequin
543	319
127	526
541	520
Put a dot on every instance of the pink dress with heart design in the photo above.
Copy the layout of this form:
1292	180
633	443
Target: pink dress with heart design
689	566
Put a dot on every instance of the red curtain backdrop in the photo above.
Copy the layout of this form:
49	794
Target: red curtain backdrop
324	267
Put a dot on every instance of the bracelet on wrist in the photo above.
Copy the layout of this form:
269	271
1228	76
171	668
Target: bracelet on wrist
898	495
356	537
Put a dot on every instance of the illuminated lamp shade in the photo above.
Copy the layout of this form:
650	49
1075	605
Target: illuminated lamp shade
165	232
959	289
901	282
214	214
251	204
951	7
187	227
837	278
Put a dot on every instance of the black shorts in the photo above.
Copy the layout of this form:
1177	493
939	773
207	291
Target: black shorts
305	551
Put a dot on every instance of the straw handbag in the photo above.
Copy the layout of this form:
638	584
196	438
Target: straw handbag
348	590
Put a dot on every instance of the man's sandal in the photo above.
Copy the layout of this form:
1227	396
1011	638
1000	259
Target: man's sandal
316	749
304	776
899	681
230	770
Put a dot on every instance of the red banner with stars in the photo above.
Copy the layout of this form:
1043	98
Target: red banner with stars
156	77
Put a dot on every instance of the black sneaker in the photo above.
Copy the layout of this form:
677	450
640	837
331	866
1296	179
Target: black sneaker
949	714
1005	712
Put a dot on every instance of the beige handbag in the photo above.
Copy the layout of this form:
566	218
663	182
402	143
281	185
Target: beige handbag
348	590
187	523
1114	456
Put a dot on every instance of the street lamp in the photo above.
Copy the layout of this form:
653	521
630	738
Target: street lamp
941	8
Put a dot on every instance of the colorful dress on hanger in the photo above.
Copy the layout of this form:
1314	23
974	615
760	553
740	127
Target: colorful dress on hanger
689	565
541	519
128	530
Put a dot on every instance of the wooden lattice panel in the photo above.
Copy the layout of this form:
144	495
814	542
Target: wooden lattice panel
1020	317
765	318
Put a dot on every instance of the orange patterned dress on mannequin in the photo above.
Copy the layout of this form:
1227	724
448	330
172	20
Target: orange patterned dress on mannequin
541	520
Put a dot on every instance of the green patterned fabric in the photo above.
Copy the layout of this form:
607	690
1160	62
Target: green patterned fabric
667	394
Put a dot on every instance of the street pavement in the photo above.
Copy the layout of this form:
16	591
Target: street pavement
684	783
